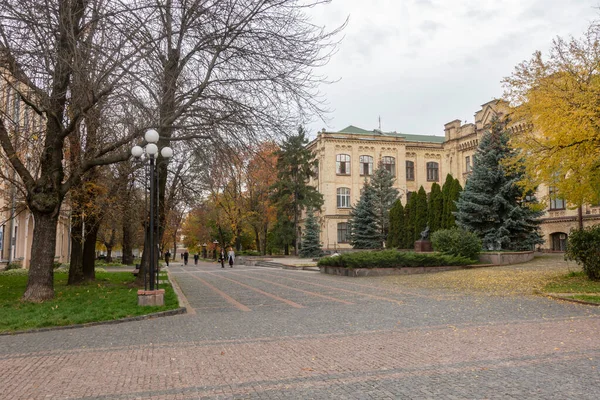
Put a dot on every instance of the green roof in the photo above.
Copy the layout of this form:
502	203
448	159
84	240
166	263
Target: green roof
407	136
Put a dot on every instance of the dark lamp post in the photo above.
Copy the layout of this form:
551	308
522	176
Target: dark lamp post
151	149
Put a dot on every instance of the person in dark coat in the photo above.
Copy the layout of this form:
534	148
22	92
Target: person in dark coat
222	258
167	257
196	257
186	255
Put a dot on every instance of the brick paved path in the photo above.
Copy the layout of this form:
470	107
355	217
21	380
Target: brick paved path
260	333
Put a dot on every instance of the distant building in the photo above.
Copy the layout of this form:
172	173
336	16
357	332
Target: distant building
16	222
350	155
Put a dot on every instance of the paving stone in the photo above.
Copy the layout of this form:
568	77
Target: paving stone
264	333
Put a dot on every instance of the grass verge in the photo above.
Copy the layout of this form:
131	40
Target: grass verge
575	285
112	296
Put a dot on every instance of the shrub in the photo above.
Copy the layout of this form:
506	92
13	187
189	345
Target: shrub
249	253
13	265
456	242
583	246
15	272
392	259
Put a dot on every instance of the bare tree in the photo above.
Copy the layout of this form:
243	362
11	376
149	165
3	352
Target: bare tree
46	50
229	73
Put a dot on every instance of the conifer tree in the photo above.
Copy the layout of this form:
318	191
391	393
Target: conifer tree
490	204
435	208
395	235
420	213
409	226
385	194
311	246
292	193
445	194
450	193
365	232
451	208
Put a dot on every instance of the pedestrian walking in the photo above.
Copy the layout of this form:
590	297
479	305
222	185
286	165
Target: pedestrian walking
167	257
222	258
196	257
231	257
185	257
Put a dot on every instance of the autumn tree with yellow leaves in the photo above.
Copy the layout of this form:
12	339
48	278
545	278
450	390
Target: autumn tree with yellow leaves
555	113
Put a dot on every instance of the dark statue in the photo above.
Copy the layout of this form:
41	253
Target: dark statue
425	233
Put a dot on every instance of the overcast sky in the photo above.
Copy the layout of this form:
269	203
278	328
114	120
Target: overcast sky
422	63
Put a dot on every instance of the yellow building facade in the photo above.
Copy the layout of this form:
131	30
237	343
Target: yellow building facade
349	156
16	222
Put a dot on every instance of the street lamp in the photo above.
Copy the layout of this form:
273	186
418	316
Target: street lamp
151	149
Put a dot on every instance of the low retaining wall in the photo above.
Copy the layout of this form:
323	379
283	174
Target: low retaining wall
356	272
505	258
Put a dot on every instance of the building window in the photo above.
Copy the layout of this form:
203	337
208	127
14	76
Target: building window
408	196
410	171
366	165
468	167
556	203
342	164
389	163
343	198
432	172
342	232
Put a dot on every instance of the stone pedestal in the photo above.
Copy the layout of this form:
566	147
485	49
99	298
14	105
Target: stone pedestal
151	297
423	246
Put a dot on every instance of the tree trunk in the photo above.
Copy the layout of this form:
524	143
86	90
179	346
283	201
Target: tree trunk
89	250
145	261
40	285
266	233
76	261
257	238
108	254
127	246
580	217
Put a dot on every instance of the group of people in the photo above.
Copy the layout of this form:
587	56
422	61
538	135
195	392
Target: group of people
185	256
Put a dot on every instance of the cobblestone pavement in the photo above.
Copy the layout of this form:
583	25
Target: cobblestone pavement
261	333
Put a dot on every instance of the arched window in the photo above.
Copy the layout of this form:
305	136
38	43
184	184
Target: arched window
342	232
389	163
366	165
432	172
343	198
410	171
342	164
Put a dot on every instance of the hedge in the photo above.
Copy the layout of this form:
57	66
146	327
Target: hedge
392	259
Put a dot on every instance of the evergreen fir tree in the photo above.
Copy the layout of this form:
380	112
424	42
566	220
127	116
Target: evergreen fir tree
385	194
409	226
489	206
445	195
451	208
292	193
420	213
435	208
311	246
395	234
365	232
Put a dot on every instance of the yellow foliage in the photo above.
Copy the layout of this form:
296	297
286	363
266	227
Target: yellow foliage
556	109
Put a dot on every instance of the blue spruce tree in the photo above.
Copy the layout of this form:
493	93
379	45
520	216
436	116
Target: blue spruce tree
490	205
311	246
365	232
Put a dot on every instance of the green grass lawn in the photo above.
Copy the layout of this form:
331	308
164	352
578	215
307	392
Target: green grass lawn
575	285
112	296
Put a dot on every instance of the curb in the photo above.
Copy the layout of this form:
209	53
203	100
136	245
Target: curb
168	313
555	297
